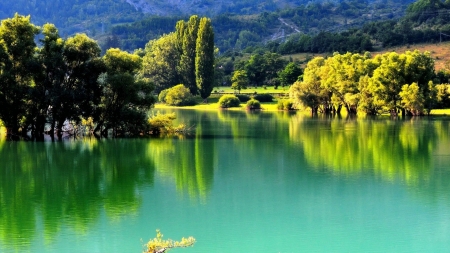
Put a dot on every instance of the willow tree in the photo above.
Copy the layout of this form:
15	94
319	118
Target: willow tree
310	92
341	78
17	48
204	58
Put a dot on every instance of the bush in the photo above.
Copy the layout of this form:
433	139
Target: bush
253	104
179	95
243	98
285	105
263	98
227	101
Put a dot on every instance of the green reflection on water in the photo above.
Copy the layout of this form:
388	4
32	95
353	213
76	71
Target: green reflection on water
72	183
68	184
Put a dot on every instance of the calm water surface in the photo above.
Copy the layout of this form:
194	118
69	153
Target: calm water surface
239	182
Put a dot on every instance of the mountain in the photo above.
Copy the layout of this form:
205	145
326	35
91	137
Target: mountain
210	7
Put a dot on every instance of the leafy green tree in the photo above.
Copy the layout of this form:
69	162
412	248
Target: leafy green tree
341	76
412	99
204	58
179	95
161	62
78	93
239	80
126	99
390	75
17	48
310	92
52	75
255	68
290	74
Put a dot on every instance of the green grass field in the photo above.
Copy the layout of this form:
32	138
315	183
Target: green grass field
252	90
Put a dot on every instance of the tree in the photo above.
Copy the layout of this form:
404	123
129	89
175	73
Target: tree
290	74
255	68
161	62
52	75
159	245
204	58
341	76
179	95
239	80
17	65
412	99
310	92
390	77
78	93
126	99
187	62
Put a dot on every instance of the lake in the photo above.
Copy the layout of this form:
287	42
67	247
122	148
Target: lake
237	182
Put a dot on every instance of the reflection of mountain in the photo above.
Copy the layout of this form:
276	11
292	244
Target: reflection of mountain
68	183
393	150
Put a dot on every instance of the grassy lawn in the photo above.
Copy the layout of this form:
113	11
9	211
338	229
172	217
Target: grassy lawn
214	106
252	90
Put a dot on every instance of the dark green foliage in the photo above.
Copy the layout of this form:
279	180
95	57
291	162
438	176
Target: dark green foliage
263	98
243	98
227	101
290	74
253	104
17	67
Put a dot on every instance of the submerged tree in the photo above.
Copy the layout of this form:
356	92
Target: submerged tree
159	245
17	64
126	99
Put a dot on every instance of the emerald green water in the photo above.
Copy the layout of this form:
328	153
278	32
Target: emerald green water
239	182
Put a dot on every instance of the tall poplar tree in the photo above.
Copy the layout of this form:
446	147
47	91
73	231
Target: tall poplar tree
204	59
187	62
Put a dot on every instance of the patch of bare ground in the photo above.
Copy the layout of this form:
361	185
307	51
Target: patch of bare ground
440	52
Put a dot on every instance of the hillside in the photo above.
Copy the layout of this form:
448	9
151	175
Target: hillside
241	32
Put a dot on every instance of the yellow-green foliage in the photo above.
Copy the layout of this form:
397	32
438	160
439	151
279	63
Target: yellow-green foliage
285	105
179	95
159	245
161	122
253	104
227	101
